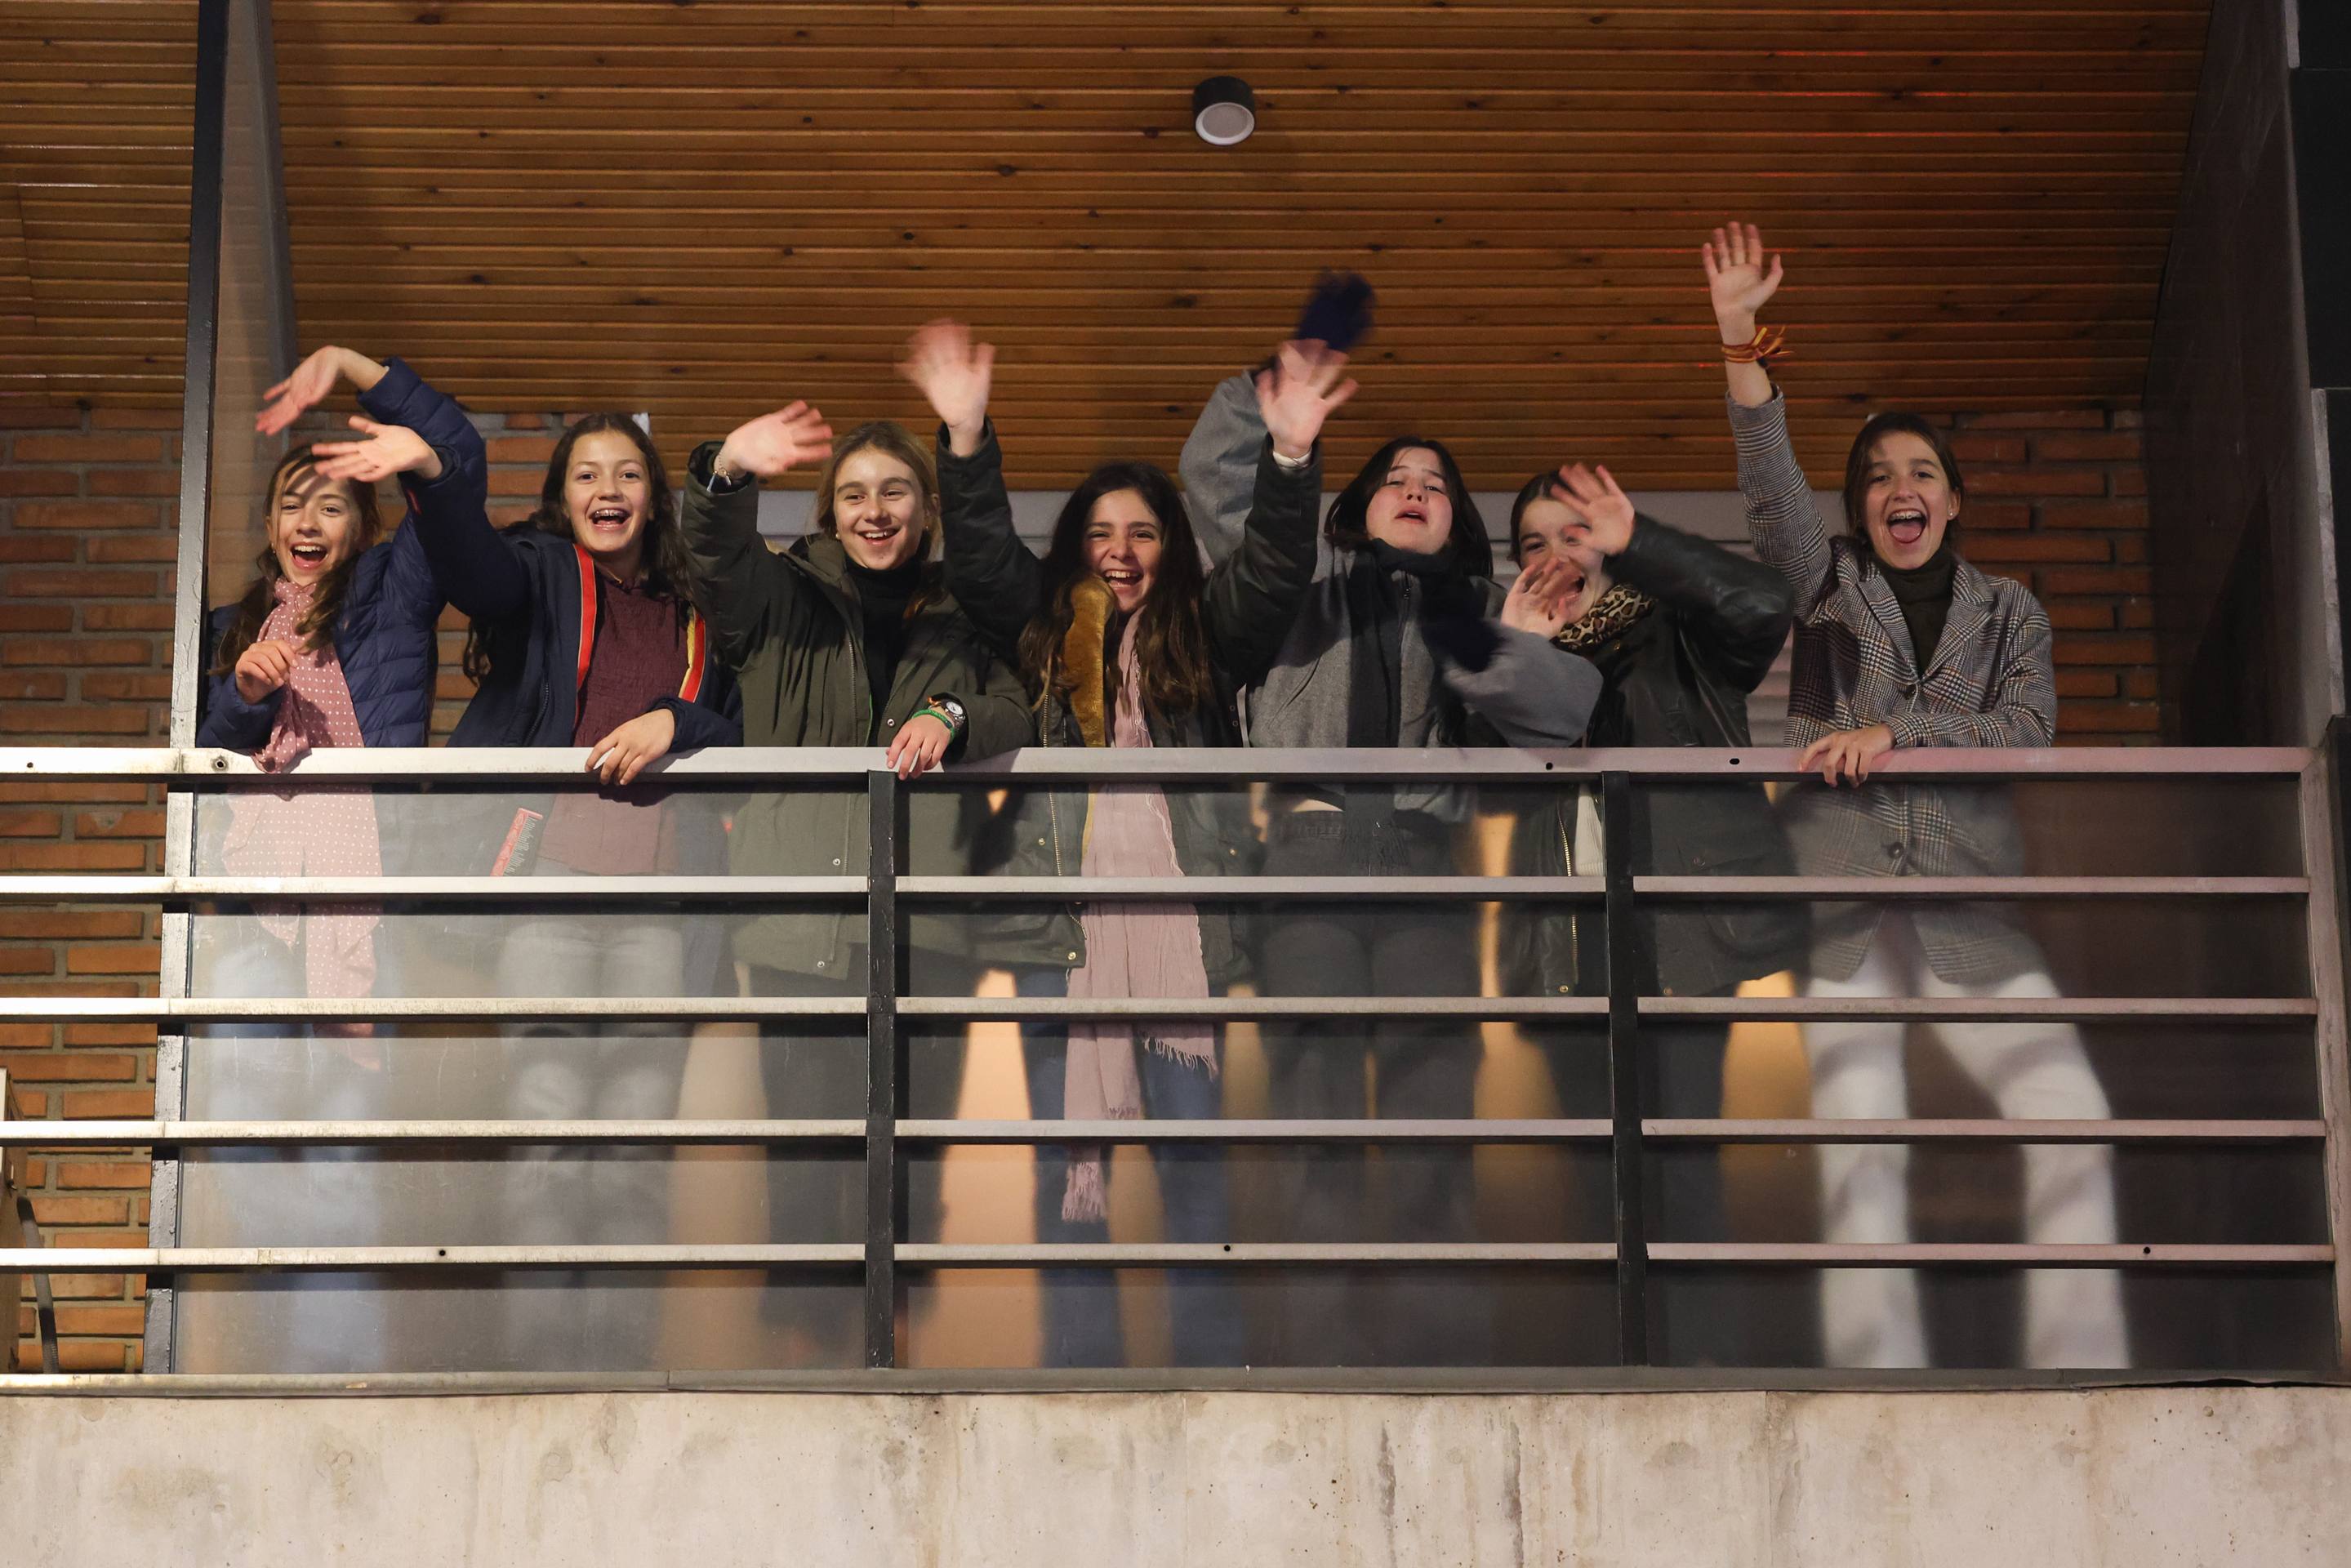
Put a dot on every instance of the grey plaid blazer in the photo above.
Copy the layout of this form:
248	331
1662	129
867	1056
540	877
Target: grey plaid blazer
1990	681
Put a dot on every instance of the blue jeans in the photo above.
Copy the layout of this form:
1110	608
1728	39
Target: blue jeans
321	1196
1080	1305
563	1320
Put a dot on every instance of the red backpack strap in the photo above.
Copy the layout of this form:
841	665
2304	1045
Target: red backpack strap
697	656
586	619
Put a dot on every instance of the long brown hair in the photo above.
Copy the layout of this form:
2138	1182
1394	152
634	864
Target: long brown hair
317	627
1170	641
667	568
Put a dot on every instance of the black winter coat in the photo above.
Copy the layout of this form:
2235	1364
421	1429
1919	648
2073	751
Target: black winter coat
1679	676
1245	611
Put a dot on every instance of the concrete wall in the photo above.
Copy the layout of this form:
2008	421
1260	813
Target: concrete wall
2137	1477
2244	568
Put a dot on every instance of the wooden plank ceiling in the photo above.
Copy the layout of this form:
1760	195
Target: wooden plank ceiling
703	207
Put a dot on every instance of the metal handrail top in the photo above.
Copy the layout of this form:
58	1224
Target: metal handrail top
557	766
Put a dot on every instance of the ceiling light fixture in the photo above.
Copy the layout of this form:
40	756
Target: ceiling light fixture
1223	110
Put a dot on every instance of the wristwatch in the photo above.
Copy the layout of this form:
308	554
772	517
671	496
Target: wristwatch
956	717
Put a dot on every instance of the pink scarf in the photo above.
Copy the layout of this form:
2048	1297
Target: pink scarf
1132	950
320	833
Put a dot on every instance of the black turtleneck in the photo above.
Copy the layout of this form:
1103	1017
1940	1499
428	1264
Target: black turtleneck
1924	593
882	596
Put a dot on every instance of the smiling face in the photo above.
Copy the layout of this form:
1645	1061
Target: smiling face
1906	501
1412	509
314	524
1542	538
1122	540
877	509
608	495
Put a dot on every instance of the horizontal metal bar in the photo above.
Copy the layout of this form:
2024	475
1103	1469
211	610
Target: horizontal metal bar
769	1255
1817	1130
1252	888
225	1133
502	1132
1161	1254
725	889
1237	1130
1983	1009
776	765
1886	889
276	1260
715	889
1259	1130
1417	1381
2021	1254
1244	1009
305	1009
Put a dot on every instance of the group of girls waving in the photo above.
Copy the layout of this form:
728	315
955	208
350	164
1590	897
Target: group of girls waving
911	617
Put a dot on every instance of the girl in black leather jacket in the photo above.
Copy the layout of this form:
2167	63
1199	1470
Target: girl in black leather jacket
1681	631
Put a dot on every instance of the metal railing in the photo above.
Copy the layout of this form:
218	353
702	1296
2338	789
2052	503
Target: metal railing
887	1135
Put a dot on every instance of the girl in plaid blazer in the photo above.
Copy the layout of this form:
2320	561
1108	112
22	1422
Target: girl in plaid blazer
1900	642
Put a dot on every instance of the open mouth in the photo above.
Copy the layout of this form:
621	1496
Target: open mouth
1416	516
1121	576
610	518
1906	526
308	554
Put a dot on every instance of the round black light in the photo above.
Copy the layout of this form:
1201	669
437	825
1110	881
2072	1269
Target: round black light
1223	110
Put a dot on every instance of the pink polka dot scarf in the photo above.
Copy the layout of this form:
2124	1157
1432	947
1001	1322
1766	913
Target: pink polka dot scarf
319	832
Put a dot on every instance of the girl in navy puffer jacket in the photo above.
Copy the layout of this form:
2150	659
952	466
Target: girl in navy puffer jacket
331	646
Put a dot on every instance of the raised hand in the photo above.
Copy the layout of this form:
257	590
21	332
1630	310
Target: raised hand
1600	514
263	668
1538	601
1738	279
389	449
621	756
307	387
767	446
1298	394
954	373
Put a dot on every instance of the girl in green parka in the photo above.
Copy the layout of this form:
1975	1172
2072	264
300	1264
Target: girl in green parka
848	638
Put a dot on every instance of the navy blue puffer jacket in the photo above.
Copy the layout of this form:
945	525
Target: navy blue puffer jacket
384	635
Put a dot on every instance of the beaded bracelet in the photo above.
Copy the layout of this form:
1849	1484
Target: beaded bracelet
1768	344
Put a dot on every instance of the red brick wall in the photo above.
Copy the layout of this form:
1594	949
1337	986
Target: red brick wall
2058	501
87	509
85	551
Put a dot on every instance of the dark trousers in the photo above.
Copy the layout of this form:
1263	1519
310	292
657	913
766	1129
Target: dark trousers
1411	1314
815	1069
1080	1305
1694	1318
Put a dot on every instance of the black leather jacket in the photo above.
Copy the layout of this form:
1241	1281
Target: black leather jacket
1678	677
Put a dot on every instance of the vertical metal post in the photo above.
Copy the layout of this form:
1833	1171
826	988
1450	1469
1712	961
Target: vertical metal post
2323	843
1624	1069
885	1093
188	624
